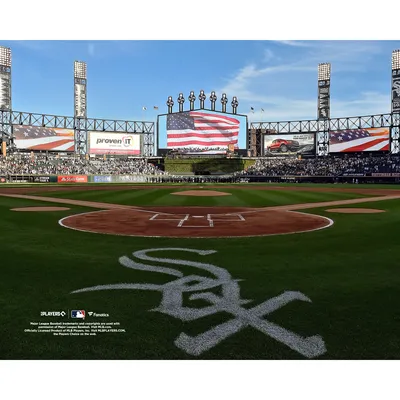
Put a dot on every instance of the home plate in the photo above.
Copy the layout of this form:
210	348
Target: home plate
198	216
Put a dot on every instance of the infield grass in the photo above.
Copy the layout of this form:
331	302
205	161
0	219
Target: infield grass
241	197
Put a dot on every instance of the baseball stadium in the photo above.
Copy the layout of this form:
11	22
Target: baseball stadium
167	240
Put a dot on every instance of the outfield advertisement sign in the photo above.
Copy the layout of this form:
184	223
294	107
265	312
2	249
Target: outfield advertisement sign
3	179
289	145
129	178
114	143
101	178
43	179
72	178
385	174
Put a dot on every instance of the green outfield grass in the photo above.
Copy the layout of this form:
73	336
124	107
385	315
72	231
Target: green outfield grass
350	271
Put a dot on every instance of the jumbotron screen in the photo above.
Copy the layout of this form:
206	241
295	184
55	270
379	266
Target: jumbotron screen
202	132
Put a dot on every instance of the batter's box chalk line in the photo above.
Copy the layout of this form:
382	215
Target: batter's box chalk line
183	220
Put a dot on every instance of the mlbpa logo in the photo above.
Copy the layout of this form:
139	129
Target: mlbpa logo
78	314
229	301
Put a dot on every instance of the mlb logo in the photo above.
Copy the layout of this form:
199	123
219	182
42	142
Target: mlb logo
78	314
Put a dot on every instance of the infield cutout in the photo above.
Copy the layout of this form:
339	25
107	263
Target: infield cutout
215	222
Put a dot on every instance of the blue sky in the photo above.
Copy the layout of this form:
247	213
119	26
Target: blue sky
278	76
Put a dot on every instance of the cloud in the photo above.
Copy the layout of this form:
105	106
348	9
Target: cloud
294	43
284	84
285	109
269	55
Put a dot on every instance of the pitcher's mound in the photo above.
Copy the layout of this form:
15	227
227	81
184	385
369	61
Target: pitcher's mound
355	210
201	193
38	209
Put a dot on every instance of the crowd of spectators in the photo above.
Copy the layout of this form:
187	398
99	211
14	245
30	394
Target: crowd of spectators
326	166
49	164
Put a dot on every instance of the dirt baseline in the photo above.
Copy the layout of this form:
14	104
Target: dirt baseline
355	210
40	209
195	222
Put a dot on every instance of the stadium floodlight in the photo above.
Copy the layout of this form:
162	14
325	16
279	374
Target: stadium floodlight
234	104
170	104
395	60
224	101
80	70
202	97
5	57
324	72
192	99
213	99
181	100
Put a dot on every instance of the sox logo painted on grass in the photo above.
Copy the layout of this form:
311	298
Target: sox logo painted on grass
229	301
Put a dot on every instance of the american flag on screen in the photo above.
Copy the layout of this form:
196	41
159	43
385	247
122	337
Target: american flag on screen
198	129
354	140
40	138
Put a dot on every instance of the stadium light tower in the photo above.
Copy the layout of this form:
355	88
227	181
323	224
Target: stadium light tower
80	110
323	108
324	83
5	78
395	125
396	81
5	98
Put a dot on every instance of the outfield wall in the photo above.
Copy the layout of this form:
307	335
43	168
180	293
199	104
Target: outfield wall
390	178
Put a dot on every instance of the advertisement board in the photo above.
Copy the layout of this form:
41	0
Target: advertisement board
41	179
45	139
114	143
72	178
129	178
386	174
3	179
202	132
358	140
289	145
323	99
396	91
102	178
80	100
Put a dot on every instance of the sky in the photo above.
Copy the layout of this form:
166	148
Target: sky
279	76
